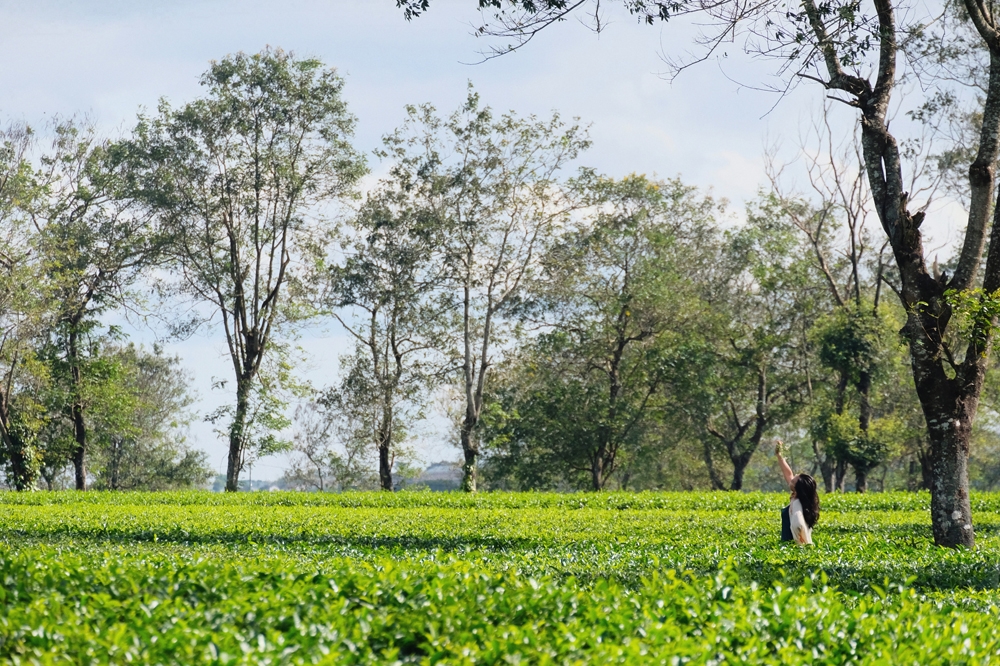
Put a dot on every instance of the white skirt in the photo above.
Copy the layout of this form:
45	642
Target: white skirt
801	531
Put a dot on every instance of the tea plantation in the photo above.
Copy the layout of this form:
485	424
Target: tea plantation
275	578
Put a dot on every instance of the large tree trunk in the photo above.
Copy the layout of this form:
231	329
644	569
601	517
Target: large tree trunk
861	479
385	467
234	464
827	467
470	452
949	403
840	476
76	412
739	467
22	465
950	431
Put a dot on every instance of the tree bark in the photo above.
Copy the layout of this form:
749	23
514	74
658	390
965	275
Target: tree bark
827	467
471	452
860	479
236	431
80	451
76	411
951	430
385	468
840	475
474	386
604	458
597	471
739	468
865	408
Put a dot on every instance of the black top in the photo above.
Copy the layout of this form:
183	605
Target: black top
786	525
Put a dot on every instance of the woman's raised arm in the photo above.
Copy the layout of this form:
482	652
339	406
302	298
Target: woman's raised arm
785	469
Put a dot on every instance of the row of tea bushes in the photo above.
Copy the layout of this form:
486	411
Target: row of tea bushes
678	501
121	607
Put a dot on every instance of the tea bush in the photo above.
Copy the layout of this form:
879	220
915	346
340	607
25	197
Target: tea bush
532	578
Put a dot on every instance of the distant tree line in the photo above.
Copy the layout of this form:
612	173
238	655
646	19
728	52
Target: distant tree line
585	332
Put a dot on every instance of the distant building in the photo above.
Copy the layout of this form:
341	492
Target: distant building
441	475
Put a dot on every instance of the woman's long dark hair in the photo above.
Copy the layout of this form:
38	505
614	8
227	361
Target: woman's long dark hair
805	492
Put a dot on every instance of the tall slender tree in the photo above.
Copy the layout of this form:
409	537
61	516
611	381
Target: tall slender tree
20	308
94	244
491	182
237	179
390	281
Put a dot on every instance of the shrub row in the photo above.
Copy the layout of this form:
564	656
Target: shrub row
119	608
706	501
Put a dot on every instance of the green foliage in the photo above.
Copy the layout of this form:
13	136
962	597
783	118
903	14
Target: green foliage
625	301
490	188
755	357
238	180
386	296
846	441
868	424
448	577
854	339
142	444
975	313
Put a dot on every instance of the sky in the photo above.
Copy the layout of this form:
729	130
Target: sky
109	59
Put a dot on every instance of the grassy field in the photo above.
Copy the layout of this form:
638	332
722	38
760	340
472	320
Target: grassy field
274	578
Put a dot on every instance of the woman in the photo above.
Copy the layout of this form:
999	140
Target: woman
802	512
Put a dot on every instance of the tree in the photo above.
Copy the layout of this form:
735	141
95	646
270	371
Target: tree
390	278
758	364
236	178
855	342
855	54
490	183
20	311
855	339
136	403
140	437
93	245
334	450
620	296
